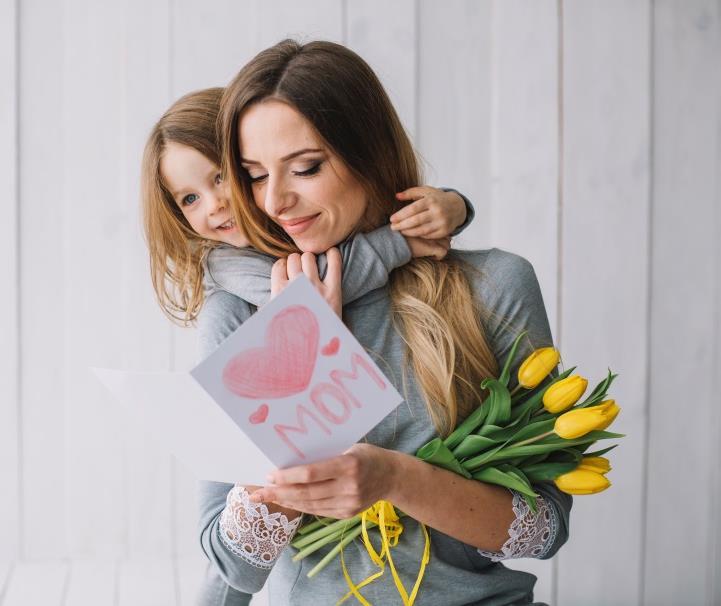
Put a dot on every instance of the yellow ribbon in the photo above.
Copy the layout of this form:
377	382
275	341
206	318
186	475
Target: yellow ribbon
384	515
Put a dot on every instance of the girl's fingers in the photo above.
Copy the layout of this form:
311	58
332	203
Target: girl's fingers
414	221
295	266
407	212
278	277
413	193
310	267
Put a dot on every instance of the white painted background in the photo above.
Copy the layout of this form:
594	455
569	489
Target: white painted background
588	135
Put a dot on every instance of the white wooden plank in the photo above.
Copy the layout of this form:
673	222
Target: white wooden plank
454	104
683	384
224	39
42	286
147	342
9	313
146	582
34	583
303	21
5	572
384	34
604	279
91	583
715	592
93	205
524	125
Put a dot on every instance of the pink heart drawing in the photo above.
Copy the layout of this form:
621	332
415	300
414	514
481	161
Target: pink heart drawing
331	348
260	415
284	366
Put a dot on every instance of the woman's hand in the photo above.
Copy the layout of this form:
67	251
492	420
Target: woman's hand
432	214
285	270
339	487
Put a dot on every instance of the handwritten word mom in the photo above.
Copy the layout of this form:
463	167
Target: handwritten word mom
333	403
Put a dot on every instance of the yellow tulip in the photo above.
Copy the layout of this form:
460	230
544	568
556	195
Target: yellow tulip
598	464
611	412
563	394
582	481
576	423
537	366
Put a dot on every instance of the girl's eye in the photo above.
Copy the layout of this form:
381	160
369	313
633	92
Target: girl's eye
189	199
313	170
218	179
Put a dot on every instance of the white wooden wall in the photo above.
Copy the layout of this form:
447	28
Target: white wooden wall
587	133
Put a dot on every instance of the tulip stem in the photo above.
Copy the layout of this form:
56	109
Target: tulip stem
534	439
516	389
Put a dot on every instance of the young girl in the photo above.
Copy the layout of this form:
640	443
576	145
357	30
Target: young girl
187	213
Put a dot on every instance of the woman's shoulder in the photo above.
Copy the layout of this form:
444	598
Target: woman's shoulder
495	272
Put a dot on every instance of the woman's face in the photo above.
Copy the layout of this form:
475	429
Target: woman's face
297	181
195	184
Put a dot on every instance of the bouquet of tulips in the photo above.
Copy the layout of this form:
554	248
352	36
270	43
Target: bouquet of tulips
539	432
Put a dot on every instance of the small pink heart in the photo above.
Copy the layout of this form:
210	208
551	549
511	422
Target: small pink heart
260	415
331	348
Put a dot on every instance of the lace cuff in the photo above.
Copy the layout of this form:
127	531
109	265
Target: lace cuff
251	532
531	534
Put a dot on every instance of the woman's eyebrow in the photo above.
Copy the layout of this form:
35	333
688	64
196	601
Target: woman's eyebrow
290	156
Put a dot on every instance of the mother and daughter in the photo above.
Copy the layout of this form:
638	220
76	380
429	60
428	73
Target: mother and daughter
301	165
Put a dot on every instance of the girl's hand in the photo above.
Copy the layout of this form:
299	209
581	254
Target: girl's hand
339	487
432	214
420	247
285	270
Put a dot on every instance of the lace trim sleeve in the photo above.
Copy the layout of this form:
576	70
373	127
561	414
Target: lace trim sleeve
253	533
531	534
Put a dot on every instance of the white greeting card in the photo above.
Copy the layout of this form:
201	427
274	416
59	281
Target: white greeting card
291	386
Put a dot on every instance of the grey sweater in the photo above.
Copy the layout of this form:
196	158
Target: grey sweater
458	574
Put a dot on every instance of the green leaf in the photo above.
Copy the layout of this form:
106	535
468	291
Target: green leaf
469	425
600	453
437	453
473	445
532	430
493	475
599	392
547	472
499	411
506	372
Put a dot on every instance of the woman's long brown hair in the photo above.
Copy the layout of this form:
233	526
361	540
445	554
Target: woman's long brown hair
432	301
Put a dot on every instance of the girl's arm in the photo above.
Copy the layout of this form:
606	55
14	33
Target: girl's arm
367	259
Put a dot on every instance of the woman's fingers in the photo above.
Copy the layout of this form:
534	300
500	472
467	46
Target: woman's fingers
310	267
413	193
295	266
332	284
408	216
278	277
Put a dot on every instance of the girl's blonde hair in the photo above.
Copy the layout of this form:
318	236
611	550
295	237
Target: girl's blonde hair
176	251
432	301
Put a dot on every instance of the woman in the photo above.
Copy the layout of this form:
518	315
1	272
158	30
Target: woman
312	146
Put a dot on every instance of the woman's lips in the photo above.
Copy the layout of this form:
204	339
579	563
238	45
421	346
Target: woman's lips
297	226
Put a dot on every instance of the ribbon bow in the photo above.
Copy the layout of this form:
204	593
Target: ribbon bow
385	517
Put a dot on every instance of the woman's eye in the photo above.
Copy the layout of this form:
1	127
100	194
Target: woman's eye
256	178
189	199
309	171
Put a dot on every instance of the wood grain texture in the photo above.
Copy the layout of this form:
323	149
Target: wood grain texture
524	202
91	583
43	288
684	310
454	104
604	286
32	584
9	277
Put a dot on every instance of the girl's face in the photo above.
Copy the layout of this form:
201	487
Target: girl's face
196	186
297	181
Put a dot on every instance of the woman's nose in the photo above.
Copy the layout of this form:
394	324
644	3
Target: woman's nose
277	199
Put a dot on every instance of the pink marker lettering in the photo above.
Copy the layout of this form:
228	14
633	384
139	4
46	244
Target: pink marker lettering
325	389
356	360
282	430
